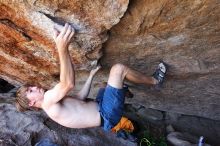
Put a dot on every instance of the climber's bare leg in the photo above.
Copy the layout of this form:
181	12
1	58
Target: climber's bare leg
119	72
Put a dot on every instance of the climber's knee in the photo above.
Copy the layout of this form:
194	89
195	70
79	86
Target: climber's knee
117	75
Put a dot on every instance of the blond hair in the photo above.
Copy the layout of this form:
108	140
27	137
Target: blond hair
22	102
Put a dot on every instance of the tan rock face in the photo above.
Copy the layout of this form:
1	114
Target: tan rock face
186	35
27	50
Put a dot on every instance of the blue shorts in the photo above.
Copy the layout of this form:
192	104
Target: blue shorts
111	106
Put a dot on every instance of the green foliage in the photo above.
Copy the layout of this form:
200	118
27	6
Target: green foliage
149	140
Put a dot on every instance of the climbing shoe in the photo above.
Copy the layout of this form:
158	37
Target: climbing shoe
159	74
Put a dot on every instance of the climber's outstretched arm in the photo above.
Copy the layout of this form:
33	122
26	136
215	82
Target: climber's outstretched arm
67	75
84	92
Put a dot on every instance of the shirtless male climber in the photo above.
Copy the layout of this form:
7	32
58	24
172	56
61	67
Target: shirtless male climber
76	112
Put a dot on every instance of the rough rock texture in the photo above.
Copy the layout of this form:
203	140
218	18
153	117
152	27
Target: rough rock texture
26	129
183	33
27	50
21	128
156	122
198	126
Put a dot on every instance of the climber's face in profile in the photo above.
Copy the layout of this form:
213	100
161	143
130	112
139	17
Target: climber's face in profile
34	94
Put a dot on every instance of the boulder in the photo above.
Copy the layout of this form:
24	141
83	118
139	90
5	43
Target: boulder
27	50
196	126
30	127
186	35
23	128
150	114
